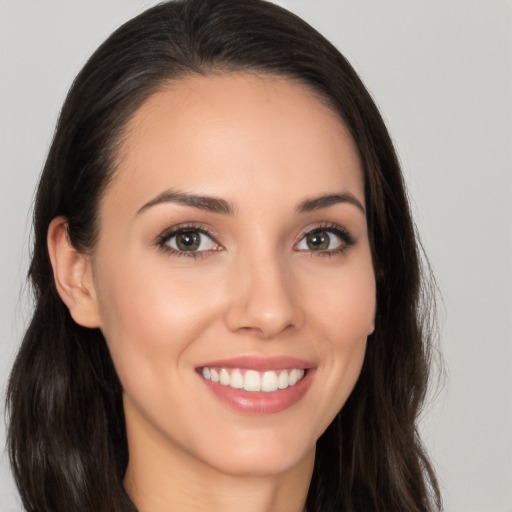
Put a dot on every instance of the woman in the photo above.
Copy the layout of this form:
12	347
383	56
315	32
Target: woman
227	281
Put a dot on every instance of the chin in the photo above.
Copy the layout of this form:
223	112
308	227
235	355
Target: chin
264	455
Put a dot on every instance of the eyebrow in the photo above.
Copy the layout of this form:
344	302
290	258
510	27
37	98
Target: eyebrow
211	204
217	205
327	200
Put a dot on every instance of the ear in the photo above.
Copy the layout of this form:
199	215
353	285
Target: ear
72	273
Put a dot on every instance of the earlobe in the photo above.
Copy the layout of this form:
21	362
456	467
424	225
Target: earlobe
72	273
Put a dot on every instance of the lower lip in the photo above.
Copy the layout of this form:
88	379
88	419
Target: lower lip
260	402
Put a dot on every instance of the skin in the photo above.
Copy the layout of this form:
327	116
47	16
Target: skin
265	145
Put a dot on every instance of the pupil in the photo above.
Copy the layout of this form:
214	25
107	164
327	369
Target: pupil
318	241
188	241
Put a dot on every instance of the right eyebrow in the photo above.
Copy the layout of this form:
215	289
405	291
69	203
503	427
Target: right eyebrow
209	203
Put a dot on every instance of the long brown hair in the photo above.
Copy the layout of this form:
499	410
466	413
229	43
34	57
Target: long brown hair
66	438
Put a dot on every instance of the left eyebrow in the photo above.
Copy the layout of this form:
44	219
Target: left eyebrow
327	200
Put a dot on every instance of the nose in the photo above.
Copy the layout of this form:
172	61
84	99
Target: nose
263	298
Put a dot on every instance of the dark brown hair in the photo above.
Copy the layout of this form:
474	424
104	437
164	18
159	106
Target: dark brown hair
66	438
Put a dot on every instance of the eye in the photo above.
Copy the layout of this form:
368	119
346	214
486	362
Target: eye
188	240
325	240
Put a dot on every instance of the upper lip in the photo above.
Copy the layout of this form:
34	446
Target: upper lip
259	363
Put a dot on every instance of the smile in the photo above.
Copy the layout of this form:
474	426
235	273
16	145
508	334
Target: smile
251	380
258	385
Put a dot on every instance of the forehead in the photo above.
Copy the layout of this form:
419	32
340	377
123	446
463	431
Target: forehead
219	134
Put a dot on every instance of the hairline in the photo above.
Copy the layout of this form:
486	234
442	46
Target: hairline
121	133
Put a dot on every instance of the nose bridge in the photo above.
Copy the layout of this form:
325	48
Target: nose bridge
262	295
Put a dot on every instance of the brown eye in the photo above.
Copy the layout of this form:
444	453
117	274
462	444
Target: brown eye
318	241
326	240
190	241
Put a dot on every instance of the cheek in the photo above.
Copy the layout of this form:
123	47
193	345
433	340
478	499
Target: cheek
151	317
354	311
345	303
149	314
344	314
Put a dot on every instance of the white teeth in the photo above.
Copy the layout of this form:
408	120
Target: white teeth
237	379
269	381
283	381
251	380
224	377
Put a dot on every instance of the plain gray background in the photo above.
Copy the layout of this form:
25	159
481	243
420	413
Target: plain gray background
441	72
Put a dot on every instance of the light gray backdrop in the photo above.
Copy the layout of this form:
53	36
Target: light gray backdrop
441	72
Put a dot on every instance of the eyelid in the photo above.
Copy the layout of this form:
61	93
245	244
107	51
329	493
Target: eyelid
342	233
163	238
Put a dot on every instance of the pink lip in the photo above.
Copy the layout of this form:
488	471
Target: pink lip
260	402
260	364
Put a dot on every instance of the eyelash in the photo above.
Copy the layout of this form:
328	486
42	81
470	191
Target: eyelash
163	239
347	240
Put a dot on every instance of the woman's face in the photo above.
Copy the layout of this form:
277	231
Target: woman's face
233	246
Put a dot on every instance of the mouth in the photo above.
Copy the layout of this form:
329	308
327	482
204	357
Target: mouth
256	385
252	380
